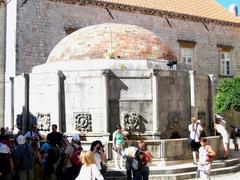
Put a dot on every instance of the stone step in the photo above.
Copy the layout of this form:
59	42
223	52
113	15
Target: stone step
181	171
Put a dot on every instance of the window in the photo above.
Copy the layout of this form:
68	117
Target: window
225	62
187	55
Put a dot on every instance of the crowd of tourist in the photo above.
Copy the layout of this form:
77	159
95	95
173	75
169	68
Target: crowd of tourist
25	158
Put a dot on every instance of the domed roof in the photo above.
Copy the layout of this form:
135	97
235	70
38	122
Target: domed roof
111	41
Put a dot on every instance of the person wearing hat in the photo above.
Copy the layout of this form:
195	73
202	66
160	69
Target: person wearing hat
6	163
71	170
23	159
220	127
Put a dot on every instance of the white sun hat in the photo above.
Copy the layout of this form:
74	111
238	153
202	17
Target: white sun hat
76	137
218	116
21	139
4	148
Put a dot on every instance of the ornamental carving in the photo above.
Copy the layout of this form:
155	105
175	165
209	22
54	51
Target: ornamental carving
131	121
174	120
44	121
83	121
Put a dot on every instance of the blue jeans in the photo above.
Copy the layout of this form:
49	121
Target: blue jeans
142	173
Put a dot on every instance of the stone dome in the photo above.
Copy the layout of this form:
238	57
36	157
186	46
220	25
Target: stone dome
111	41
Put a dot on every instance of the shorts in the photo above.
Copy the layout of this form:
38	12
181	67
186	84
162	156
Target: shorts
195	146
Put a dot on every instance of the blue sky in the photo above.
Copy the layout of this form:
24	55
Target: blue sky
226	3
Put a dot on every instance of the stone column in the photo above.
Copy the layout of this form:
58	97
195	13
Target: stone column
212	79
12	102
26	119
105	74
192	93
155	102
61	108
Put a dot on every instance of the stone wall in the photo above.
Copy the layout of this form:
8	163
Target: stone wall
169	149
203	102
2	49
49	22
174	102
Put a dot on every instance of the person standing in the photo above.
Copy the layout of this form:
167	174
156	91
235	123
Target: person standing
23	159
89	170
71	170
144	157
225	138
6	163
195	130
33	135
206	155
99	155
55	136
118	142
129	154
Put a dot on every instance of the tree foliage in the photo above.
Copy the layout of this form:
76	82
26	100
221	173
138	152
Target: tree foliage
228	95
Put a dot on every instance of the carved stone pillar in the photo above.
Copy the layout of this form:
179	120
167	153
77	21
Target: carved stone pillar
12	102
155	101
105	74
26	119
192	92
213	81
61	99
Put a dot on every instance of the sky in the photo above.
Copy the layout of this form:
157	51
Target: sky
226	3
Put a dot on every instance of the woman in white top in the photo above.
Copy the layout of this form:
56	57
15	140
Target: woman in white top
195	130
89	170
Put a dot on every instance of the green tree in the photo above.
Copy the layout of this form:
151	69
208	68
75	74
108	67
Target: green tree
228	95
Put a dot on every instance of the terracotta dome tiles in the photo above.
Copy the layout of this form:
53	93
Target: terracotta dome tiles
111	41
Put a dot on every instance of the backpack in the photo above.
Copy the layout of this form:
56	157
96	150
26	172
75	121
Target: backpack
238	132
75	158
135	164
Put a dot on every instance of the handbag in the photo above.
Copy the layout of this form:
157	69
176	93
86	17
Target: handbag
190	141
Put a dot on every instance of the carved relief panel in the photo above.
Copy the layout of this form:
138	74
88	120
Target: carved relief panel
174	121
130	121
44	121
83	121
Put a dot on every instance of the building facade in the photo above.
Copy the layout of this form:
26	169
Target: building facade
204	43
2	57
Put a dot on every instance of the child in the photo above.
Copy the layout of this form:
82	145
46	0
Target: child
89	170
206	155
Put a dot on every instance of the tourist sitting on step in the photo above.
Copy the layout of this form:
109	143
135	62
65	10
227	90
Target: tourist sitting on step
195	130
